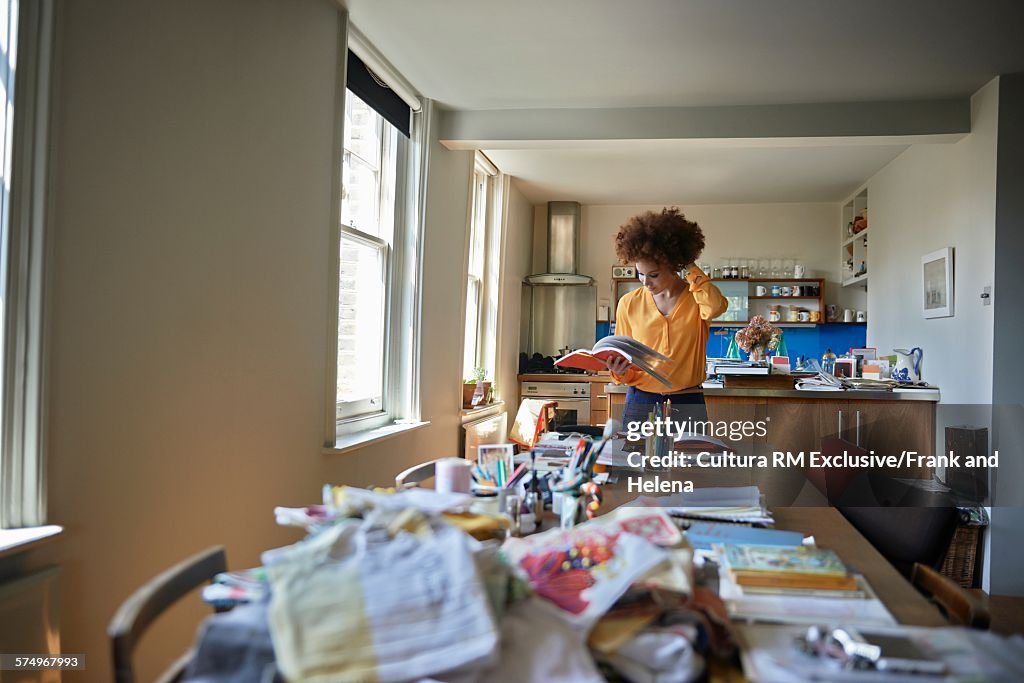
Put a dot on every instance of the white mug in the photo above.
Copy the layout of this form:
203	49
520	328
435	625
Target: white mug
847	315
862	317
786	291
798	271
805	316
761	290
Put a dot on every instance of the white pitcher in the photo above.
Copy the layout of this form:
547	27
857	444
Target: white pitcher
908	365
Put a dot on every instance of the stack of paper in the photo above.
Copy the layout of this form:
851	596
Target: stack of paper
730	503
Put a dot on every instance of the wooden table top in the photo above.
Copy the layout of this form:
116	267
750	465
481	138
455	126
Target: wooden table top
831	530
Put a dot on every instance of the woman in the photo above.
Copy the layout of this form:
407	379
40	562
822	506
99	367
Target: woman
669	313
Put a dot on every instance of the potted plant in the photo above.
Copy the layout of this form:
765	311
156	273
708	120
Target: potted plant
476	391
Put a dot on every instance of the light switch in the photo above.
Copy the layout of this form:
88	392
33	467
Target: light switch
986	295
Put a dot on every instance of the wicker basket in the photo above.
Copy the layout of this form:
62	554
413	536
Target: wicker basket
961	556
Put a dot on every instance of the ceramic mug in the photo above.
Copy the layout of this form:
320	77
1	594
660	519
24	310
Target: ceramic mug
793	316
796	290
805	316
774	316
761	290
847	315
815	316
786	291
833	312
776	290
798	271
862	317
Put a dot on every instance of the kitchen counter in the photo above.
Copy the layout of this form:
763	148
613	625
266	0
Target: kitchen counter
895	395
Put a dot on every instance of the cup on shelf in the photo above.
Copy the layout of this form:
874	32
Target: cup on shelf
761	290
815	316
848	315
862	317
804	316
786	291
776	290
774	316
798	271
833	313
794	315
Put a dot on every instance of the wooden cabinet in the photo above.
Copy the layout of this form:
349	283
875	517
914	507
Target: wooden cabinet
758	296
598	404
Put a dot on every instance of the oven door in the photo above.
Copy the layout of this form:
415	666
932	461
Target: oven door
571	411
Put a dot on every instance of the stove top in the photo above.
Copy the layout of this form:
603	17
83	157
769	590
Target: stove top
543	365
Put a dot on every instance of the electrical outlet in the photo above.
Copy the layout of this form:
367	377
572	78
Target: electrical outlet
986	295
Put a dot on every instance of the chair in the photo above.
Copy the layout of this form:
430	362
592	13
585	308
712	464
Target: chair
142	608
415	475
959	606
535	416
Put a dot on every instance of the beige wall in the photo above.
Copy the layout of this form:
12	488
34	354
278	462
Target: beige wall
516	258
189	302
930	197
807	232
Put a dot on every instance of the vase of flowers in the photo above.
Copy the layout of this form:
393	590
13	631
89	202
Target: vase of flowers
758	336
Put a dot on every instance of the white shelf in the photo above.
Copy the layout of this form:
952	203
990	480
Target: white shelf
854	280
852	238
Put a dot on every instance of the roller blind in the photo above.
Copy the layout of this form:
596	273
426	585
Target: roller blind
372	90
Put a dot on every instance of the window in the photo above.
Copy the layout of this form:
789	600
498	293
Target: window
380	165
483	270
26	35
369	181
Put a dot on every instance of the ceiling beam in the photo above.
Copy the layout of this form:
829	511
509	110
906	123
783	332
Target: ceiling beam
945	120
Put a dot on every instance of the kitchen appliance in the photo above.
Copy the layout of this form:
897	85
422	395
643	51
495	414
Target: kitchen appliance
573	400
562	303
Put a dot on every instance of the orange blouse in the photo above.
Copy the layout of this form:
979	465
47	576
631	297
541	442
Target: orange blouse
682	335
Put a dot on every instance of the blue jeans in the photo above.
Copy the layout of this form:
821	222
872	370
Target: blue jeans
640	403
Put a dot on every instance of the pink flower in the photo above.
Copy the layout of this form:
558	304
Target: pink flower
759	332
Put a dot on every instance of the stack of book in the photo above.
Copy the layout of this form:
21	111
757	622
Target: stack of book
725	504
799	570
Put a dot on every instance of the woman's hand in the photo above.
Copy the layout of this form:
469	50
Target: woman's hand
617	364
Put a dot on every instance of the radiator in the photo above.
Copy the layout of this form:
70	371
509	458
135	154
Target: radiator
490	429
29	622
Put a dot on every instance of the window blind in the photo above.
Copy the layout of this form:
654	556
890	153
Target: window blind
377	94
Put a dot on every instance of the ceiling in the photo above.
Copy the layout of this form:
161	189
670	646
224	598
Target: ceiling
491	54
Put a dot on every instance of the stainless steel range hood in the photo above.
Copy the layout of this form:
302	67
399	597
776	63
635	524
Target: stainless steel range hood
563	242
562	304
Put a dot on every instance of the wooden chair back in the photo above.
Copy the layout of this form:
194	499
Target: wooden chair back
142	608
960	606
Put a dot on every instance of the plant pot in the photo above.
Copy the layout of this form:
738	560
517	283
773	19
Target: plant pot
468	391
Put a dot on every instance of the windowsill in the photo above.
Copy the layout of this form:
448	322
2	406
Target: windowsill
469	414
20	540
350	442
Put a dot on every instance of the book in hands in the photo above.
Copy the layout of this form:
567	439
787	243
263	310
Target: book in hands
638	355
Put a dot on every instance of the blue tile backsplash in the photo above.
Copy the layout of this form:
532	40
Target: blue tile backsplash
810	341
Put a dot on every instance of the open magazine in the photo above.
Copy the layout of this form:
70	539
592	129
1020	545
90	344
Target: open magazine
639	356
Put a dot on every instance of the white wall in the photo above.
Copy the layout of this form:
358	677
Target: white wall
188	337
806	232
935	196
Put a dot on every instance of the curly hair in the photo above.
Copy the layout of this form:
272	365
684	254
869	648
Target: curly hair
666	237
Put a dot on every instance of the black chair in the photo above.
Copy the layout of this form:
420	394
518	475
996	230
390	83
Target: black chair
906	524
147	603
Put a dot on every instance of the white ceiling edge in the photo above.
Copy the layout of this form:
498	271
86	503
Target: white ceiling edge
706	143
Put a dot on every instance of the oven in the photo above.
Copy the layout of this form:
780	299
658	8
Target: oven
573	400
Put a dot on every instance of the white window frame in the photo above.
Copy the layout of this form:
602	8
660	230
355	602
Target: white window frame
401	400
486	187
26	253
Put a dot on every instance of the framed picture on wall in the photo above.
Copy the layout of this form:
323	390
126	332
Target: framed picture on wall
937	283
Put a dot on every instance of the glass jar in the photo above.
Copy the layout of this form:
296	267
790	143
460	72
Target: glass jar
828	362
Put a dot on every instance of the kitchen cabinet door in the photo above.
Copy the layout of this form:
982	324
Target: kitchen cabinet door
891	427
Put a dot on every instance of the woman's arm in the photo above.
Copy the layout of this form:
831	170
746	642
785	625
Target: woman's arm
709	299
